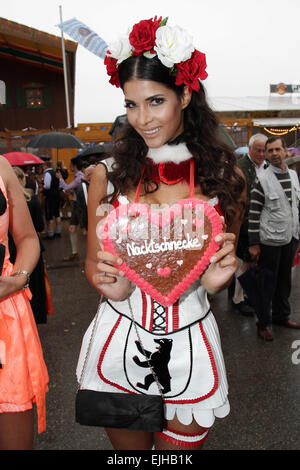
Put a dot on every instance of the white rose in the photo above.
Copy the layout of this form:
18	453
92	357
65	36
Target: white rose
173	45
120	49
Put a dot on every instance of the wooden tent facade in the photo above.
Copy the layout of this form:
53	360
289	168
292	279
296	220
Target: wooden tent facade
31	67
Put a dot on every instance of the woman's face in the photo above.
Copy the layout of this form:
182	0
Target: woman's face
154	111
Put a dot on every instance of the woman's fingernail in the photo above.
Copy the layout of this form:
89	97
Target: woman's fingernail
218	238
213	259
119	261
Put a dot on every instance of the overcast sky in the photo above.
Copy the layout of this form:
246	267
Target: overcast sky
248	44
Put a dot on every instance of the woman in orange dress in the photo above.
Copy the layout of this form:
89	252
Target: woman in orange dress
23	373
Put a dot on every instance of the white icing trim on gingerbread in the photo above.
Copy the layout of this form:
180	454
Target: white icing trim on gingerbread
170	153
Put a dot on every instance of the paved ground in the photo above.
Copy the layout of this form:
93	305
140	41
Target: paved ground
264	382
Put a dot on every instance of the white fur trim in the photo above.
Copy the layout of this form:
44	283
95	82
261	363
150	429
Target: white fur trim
170	153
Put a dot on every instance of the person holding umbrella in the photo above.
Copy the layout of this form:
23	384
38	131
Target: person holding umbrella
76	166
274	233
82	197
52	199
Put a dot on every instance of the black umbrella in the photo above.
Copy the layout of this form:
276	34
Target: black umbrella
58	140
258	283
46	158
119	122
100	151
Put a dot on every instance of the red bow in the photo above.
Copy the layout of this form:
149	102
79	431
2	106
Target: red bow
170	173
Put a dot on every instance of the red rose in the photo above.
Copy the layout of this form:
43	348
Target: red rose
191	70
112	70
142	36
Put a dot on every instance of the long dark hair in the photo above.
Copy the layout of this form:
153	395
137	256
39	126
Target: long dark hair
215	169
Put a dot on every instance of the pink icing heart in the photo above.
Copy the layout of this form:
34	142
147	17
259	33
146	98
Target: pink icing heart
164	272
162	246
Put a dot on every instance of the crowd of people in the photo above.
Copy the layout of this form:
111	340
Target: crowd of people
59	199
33	200
269	237
48	199
169	151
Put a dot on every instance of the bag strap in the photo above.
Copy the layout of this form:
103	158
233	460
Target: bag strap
85	193
192	178
87	355
138	189
140	341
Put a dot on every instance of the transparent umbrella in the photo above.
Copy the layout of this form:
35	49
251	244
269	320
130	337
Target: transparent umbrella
241	150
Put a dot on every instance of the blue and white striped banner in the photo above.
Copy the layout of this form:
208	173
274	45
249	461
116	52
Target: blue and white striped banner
84	36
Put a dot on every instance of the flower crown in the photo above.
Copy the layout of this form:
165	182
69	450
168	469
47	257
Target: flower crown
172	45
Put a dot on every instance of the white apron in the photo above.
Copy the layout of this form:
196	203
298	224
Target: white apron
182	346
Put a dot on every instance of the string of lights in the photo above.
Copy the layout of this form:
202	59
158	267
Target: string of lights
276	131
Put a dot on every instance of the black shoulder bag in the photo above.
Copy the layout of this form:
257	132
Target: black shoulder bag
119	410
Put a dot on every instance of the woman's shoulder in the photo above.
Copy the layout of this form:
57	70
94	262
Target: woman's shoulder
4	163
5	170
100	172
98	184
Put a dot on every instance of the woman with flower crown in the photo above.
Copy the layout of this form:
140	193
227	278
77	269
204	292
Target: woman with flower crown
170	127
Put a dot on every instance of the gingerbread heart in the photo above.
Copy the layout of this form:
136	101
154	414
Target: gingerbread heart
163	252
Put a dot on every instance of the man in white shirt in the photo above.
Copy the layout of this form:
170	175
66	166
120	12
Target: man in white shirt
51	193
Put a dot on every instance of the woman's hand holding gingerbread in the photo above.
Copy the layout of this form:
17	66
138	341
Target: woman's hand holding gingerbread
223	264
107	272
109	279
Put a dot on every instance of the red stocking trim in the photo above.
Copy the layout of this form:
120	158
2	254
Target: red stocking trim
183	439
